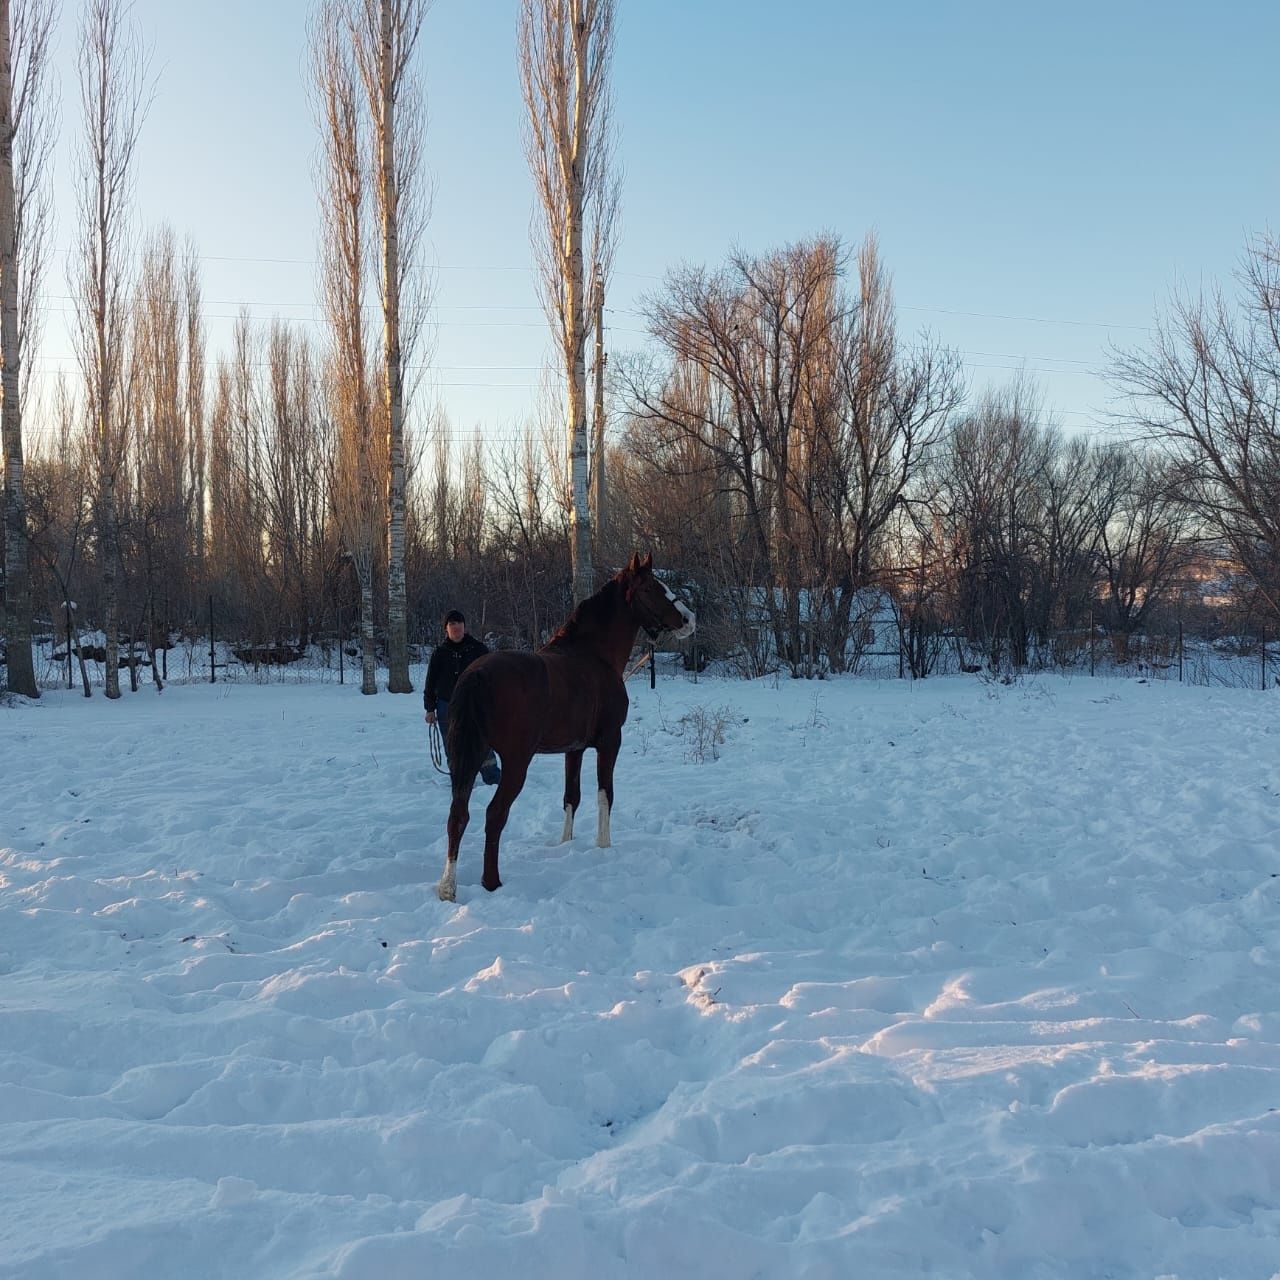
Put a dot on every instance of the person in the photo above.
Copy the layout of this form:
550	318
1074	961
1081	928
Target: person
448	661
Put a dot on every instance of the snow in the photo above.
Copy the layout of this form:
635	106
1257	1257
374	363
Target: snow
950	979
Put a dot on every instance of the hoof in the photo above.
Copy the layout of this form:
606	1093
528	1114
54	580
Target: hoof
447	888
497	884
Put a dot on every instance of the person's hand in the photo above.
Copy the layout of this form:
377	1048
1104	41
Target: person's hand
431	717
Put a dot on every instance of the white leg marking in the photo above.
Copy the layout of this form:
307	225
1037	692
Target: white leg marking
602	822
568	824
447	889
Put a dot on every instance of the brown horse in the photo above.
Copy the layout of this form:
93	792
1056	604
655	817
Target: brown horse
561	700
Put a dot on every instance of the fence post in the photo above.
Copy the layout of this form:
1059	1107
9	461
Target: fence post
1264	657
70	681
213	658
1179	650
653	667
342	644
1091	644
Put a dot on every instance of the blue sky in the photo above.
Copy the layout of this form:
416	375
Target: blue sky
1040	177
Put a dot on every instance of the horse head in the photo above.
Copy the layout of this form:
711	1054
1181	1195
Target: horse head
651	601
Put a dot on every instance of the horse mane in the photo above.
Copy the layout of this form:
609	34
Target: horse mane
591	615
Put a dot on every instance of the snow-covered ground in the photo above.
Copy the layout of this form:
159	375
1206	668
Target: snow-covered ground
954	979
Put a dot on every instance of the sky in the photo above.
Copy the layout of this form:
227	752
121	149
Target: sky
1040	178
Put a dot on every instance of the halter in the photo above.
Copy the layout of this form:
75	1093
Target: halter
652	628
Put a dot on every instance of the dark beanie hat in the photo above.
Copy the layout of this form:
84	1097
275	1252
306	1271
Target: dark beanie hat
454	615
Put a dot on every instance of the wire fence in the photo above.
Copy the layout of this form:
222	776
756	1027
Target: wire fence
1237	659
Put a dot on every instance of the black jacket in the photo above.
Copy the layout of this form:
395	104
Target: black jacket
447	663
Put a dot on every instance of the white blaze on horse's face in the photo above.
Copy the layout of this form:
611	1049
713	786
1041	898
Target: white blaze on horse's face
685	612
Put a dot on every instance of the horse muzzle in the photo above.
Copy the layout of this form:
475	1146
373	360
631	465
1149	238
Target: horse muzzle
690	625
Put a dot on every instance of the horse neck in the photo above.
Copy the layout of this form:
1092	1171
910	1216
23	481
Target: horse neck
621	640
613	641
612	636
618	632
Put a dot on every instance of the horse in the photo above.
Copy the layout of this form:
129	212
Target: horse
567	696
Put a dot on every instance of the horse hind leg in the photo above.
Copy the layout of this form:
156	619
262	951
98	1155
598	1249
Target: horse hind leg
459	816
572	791
495	817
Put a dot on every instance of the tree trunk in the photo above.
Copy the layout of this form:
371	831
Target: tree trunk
156	678
597	442
84	670
368	655
17	578
397	627
580	518
109	555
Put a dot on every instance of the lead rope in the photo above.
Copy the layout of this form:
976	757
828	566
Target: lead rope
437	747
636	666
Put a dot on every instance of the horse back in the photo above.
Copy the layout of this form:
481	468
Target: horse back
546	703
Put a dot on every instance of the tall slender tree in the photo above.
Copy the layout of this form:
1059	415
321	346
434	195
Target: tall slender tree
384	35
566	47
197	442
114	97
26	136
359	499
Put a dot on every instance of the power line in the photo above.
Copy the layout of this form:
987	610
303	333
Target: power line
991	315
435	324
639	275
1019	368
315	306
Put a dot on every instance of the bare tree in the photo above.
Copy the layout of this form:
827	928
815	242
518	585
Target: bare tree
238	450
992	500
566	47
197	439
26	137
1208	393
271	467
1143	552
358	497
807	420
528	537
384	34
744	342
874	421
114	97
166	405
59	493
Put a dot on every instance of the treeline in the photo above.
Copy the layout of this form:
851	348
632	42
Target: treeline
792	459
809	467
227	499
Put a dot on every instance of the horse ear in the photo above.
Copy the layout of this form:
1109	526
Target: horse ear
648	562
633	565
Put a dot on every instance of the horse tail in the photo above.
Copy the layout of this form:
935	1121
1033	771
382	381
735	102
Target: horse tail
470	717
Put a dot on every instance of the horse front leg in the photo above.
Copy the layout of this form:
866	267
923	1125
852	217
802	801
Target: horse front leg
572	791
606	756
495	817
459	816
